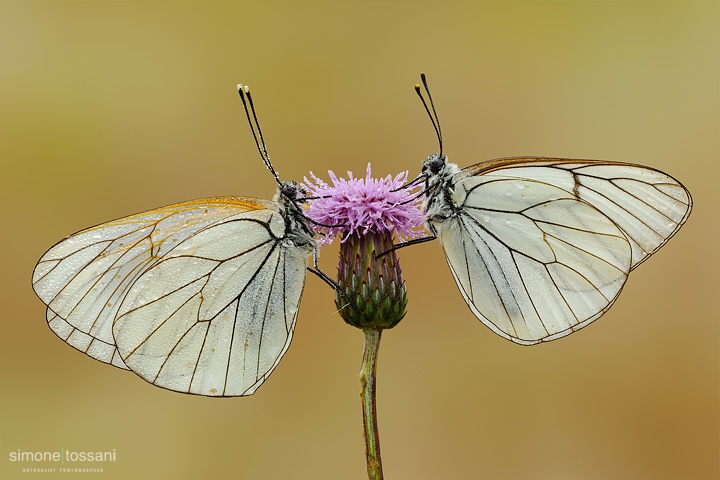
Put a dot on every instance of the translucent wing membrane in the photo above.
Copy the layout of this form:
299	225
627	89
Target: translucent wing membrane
542	247
199	297
649	206
84	277
223	326
94	347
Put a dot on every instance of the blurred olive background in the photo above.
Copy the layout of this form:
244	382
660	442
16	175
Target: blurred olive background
113	108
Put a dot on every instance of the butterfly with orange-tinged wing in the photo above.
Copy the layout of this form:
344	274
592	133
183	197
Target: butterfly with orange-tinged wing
199	297
541	247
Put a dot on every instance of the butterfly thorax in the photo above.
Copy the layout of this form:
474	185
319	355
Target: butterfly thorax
298	229
439	188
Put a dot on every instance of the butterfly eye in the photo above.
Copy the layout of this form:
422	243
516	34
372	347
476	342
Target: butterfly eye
434	164
289	190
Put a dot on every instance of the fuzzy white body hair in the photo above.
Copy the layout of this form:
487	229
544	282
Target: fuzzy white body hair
440	204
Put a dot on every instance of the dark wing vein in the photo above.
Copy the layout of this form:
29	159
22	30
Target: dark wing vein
237	298
545	222
197	361
627	192
532	302
197	320
502	272
99	277
577	320
624	209
580	249
230	345
267	306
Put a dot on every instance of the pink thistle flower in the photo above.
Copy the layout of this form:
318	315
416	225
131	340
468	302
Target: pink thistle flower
370	292
361	206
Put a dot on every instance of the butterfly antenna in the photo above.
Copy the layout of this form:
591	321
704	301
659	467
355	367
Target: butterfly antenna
244	91
433	116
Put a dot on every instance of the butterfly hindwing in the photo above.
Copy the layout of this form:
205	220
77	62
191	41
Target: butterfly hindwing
222	326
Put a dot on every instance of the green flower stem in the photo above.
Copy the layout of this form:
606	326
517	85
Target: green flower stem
367	395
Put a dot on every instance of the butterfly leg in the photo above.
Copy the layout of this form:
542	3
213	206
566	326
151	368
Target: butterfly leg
333	284
325	278
322	275
433	235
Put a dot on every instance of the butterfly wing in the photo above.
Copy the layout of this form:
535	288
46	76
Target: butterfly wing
151	285
84	277
92	346
542	247
649	206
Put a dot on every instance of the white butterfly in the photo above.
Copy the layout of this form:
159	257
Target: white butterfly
541	247
199	297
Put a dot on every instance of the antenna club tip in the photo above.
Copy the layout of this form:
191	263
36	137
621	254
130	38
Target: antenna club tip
417	86
242	88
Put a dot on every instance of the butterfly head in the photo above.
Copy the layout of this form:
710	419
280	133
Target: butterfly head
434	164
292	191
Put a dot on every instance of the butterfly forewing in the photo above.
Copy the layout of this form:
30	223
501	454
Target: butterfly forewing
189	287
83	277
649	206
542	247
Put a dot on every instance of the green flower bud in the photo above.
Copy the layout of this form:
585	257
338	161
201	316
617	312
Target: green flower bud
373	294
